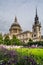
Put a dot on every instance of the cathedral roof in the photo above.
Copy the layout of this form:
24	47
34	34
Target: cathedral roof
25	32
15	25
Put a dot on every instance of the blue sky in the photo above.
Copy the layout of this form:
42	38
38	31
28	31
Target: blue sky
23	9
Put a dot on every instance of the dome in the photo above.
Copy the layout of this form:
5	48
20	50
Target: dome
15	25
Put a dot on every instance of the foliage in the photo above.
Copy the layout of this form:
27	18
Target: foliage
1	39
7	40
30	40
15	41
39	43
7	57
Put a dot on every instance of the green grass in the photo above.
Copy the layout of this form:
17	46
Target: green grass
28	51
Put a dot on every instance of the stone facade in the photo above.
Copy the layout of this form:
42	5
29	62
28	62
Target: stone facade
25	36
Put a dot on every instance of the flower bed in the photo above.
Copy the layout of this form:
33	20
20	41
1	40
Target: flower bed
21	56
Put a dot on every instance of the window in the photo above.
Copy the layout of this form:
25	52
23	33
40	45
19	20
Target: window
35	35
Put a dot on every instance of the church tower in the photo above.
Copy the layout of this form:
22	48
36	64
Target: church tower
36	28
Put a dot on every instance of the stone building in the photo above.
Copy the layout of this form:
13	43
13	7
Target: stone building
16	30
35	35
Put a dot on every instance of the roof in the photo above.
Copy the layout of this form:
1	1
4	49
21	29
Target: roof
15	25
25	32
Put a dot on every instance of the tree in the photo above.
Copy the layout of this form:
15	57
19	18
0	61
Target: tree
7	40
1	39
30	40
15	41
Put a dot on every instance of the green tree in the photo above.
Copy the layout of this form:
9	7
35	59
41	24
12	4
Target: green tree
7	40
1	39
15	41
30	40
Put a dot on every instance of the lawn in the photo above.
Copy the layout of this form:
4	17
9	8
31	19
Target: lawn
27	51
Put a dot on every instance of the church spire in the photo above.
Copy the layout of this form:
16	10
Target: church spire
36	16
15	19
36	12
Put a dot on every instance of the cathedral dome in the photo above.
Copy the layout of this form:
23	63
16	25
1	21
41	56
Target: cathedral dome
15	27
